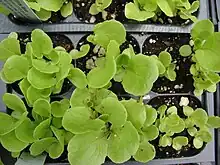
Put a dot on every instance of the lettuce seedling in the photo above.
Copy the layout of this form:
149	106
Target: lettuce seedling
198	125
109	35
142	10
110	127
44	9
42	132
197	122
205	56
165	65
99	6
41	70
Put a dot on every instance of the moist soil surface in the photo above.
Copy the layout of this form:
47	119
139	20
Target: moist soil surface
117	11
169	152
156	43
58	40
93	55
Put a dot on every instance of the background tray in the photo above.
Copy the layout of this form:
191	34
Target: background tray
72	24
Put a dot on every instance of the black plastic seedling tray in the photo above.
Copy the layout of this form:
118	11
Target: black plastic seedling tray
73	24
181	90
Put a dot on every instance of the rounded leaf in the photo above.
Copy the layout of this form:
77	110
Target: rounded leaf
116	111
89	148
199	117
13	102
11	143
136	112
145	153
15	68
35	79
42	107
79	120
123	143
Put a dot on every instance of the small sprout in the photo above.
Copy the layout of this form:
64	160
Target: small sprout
179	142
184	101
185	50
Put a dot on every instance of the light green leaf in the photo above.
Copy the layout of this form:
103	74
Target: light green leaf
199	117
192	131
56	149
123	143
144	73
77	77
187	110
8	48
39	146
151	116
185	50
34	5
24	85
165	141
108	31
84	50
44	67
107	71
79	97
64	65
179	142
24	132
89	148
136	113
8	123
145	153
54	56
67	137
51	5
172	110
42	107
150	133
132	11
116	111
79	120
35	79
58	108
44	15
42	129
204	135
198	143
15	68
189	123
93	10
13	102
11	143
57	122
213	121
67	9
162	111
165	58
34	94
160	65
41	42
171	74
167	6
202	29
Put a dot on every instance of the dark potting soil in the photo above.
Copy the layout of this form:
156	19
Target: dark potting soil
156	43
117	11
81	63
169	152
58	40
